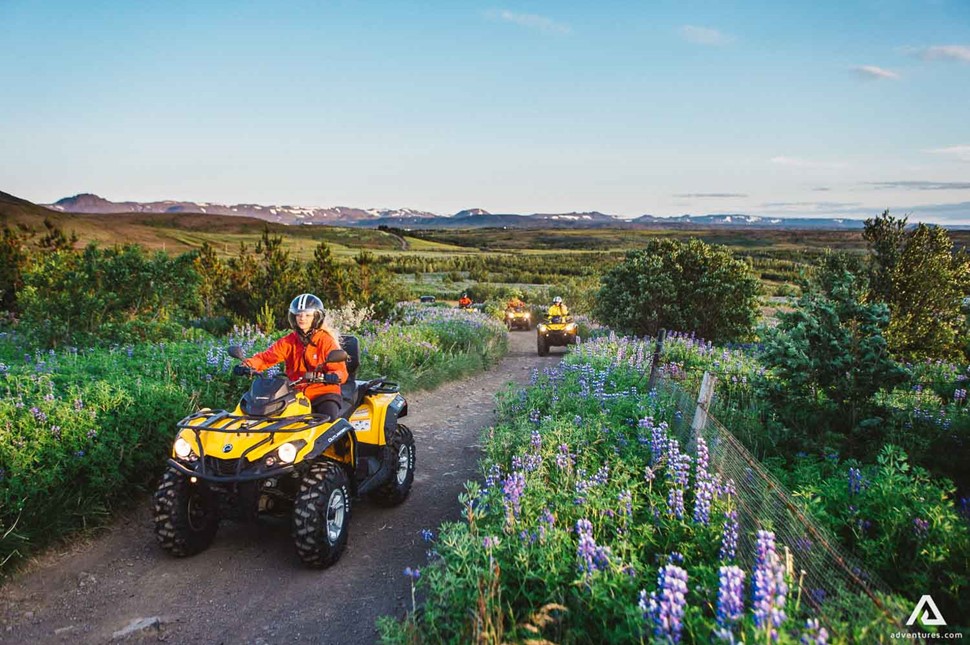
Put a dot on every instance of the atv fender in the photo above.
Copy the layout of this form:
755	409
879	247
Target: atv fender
339	429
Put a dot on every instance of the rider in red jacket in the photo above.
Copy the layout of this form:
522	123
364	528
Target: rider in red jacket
305	349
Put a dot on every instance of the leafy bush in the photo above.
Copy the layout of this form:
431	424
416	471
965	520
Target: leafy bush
679	285
826	360
901	521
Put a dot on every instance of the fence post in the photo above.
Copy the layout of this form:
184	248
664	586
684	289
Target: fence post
655	363
703	401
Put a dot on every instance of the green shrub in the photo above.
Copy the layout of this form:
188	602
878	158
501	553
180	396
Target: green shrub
671	284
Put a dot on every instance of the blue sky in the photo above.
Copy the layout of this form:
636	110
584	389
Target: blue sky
821	108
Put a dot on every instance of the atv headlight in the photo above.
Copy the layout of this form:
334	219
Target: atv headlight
571	327
541	328
287	453
182	448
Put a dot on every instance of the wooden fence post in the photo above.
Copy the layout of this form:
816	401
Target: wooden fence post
655	363
704	397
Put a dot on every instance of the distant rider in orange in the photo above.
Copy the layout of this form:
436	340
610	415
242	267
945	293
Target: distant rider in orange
304	350
464	302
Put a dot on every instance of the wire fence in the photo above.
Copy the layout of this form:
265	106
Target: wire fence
826	576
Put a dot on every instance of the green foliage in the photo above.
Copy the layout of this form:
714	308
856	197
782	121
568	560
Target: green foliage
326	278
897	518
679	285
828	358
13	258
116	294
918	275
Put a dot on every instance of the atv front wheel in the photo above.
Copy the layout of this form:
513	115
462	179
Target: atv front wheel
186	517
542	346
321	515
398	487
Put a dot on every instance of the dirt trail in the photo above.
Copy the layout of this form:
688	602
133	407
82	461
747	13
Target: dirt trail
249	587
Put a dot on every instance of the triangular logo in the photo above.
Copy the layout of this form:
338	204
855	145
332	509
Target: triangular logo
931	615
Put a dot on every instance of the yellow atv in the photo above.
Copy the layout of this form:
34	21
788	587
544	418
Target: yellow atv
518	318
555	331
273	456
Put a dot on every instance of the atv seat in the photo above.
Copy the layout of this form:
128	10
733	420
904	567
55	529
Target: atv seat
348	390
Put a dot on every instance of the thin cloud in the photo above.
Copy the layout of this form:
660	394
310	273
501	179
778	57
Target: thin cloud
797	162
960	152
873	73
534	21
711	195
821	189
813	206
919	185
960	53
705	36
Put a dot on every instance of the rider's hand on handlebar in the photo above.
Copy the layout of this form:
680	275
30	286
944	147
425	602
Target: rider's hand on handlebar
243	370
331	377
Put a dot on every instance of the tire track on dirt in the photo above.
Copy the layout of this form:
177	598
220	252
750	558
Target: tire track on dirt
249	587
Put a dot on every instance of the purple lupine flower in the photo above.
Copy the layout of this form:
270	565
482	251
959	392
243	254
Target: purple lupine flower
814	633
56	432
704	486
960	395
730	601
427	535
563	458
577	420
675	502
626	499
729	538
591	556
78	404
414	573
535	416
39	414
665	607
768	587
855	481
536	441
546	521
921	527
648	474
490	542
512	488
493	476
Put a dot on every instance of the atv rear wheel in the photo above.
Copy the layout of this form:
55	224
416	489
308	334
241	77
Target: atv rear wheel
542	345
186	516
321	515
398	487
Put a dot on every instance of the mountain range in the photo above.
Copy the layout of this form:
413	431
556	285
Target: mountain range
409	218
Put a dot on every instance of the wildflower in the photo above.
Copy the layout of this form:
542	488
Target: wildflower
675	502
591	556
39	414
648	474
427	535
535	416
855	481
768	587
564	459
665	606
79	454
814	633
490	542
536	440
921	527
512	489
730	601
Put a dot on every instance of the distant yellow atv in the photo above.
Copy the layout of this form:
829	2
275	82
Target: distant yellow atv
518	318
556	331
273	455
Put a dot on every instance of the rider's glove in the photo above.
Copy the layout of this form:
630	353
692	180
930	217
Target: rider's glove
243	370
331	377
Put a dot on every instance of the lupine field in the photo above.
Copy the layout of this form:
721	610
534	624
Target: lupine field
84	431
596	524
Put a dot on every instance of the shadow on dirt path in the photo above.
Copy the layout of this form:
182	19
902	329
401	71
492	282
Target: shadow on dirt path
249	587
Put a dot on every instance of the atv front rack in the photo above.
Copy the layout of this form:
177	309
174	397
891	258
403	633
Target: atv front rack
246	423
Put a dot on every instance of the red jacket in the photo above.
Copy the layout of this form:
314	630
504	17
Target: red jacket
301	359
